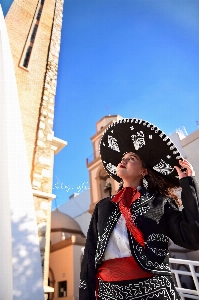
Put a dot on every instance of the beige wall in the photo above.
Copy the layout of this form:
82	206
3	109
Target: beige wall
65	264
30	82
190	145
61	263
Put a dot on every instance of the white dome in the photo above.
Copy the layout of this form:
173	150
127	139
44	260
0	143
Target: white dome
62	220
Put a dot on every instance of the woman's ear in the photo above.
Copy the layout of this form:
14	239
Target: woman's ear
145	172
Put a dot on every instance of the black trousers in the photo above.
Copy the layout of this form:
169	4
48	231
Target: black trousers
153	288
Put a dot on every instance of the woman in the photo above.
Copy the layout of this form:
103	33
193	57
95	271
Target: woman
126	253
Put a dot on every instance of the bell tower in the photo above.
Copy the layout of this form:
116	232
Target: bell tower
101	184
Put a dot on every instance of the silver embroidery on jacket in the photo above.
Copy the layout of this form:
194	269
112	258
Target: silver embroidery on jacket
159	252
140	211
82	284
142	200
159	237
103	239
146	263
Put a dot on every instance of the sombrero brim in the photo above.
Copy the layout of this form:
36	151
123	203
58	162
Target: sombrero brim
143	138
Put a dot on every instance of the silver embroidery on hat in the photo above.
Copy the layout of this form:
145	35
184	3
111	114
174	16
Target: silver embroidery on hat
111	168
138	140
163	168
175	152
112	143
178	157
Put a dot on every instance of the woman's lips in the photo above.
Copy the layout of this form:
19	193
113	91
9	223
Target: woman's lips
121	166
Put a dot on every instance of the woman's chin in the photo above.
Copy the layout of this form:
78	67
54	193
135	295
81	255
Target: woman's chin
121	175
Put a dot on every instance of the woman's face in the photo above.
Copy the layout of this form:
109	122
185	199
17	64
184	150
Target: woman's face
131	167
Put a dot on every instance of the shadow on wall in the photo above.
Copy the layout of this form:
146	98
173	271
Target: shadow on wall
27	271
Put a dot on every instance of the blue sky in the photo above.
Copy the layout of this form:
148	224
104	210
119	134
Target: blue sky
135	58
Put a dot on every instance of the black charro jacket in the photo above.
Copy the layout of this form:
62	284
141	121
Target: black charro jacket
157	217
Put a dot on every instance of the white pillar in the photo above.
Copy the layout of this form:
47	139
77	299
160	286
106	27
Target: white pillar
19	238
6	277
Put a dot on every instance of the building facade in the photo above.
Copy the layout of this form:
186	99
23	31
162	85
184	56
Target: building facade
67	242
34	30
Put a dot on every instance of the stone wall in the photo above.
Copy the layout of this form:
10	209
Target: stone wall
42	169
43	157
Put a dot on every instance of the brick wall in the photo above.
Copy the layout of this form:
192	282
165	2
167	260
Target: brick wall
36	88
30	82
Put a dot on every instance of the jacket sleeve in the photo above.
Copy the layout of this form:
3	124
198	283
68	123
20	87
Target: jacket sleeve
183	226
88	271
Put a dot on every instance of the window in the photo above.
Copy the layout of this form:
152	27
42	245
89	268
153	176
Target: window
62	289
31	38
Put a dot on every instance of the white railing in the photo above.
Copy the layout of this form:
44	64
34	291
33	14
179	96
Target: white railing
191	265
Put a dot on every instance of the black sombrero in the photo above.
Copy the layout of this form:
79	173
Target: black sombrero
143	138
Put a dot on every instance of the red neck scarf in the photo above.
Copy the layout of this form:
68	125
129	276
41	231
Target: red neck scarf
125	198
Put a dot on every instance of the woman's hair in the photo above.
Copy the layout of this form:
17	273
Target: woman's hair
157	184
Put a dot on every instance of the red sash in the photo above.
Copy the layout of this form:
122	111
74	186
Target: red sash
119	269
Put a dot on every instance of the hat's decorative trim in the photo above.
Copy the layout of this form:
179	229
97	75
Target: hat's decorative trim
112	143
138	140
163	168
179	157
111	168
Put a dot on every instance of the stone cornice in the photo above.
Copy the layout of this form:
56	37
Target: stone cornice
57	144
44	195
73	240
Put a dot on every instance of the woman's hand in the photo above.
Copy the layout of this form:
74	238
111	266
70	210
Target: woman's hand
188	169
